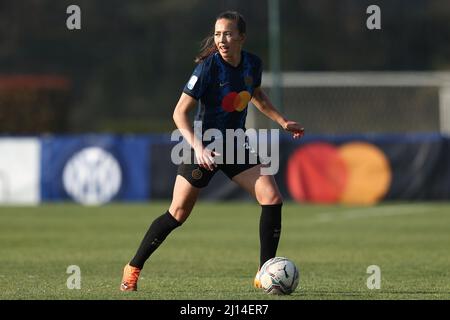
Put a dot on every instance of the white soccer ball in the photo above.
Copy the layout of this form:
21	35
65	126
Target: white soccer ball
279	275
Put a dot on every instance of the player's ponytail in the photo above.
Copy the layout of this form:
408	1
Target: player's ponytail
208	47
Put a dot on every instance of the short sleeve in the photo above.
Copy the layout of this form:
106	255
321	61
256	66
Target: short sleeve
258	73
198	82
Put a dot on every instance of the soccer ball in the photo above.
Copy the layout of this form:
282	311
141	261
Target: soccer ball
279	275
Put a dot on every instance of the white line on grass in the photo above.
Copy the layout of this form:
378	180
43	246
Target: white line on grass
377	211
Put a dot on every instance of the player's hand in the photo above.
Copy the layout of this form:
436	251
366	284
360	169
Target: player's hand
293	127
205	158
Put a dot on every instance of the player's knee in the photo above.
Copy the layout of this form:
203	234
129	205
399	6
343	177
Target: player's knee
271	199
179	213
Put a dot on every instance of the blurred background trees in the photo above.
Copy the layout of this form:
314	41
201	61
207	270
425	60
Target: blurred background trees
128	64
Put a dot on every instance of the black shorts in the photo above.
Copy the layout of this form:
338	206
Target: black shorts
200	177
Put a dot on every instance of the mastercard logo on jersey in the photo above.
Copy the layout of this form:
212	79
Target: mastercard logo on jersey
234	101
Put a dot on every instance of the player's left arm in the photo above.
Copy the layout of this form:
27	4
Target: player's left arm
263	103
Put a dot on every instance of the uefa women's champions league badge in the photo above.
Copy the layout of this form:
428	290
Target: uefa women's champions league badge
192	82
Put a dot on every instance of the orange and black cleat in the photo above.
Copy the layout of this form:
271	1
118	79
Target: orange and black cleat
130	278
257	280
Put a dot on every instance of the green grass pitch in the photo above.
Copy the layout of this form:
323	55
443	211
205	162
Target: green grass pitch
214	255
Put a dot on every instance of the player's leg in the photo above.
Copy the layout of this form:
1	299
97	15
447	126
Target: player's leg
262	187
190	179
265	190
183	201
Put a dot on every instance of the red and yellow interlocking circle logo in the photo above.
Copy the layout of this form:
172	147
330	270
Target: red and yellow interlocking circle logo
353	173
236	101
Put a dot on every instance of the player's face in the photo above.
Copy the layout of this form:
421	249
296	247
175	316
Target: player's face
228	39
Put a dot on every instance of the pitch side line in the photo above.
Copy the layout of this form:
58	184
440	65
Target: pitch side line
371	212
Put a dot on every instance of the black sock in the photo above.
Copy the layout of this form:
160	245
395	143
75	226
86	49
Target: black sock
158	231
269	231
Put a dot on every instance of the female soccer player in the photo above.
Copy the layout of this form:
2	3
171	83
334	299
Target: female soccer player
225	79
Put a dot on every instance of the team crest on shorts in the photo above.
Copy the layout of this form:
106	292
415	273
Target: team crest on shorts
197	174
248	80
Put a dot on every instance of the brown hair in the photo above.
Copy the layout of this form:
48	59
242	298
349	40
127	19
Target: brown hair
208	47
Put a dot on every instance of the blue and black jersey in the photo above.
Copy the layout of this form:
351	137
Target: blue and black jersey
224	91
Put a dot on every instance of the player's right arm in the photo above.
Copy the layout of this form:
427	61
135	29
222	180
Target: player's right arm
203	155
